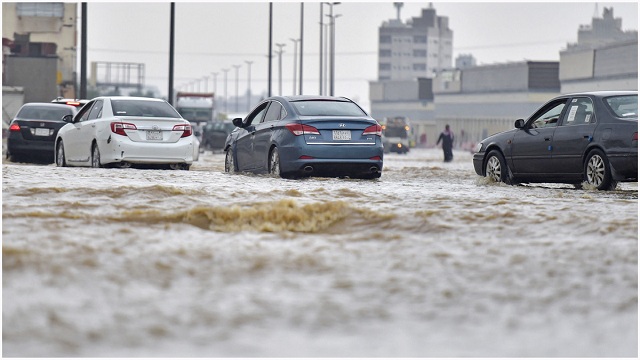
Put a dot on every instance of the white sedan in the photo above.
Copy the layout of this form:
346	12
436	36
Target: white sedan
124	131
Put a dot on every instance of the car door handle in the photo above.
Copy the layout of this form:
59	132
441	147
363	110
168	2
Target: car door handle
547	139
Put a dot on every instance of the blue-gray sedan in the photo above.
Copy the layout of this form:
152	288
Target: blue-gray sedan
297	136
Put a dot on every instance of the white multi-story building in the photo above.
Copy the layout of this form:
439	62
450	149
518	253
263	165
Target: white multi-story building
418	48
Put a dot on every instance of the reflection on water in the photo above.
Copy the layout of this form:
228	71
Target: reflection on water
429	260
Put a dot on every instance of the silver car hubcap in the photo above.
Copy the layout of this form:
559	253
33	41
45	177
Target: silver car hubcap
275	163
494	172
228	162
60	157
595	170
96	157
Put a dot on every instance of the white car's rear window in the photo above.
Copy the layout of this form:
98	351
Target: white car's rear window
144	108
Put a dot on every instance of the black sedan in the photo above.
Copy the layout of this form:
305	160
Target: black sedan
306	136
576	138
33	131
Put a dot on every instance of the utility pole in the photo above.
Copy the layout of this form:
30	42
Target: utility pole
279	52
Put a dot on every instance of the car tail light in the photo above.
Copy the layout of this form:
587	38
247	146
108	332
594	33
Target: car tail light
299	129
306	157
119	128
185	128
373	130
14	127
375	158
635	136
73	103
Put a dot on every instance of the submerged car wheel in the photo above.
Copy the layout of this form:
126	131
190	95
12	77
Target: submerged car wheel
274	162
95	157
496	167
60	159
597	171
229	165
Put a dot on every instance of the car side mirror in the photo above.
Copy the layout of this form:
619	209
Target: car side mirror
67	118
519	124
237	122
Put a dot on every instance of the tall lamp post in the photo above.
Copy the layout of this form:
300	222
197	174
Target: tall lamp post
237	67
226	110
214	75
332	70
248	84
279	52
295	63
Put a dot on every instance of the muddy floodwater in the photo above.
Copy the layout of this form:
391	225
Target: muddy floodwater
430	260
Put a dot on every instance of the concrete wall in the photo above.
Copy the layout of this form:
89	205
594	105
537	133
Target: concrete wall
36	74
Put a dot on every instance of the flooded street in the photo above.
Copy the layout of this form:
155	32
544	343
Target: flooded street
430	260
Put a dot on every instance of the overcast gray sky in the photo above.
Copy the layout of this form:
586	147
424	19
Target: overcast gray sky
211	36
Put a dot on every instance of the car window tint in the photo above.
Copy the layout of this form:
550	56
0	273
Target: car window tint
274	111
580	112
327	108
625	106
84	113
43	113
256	116
96	110
143	108
548	116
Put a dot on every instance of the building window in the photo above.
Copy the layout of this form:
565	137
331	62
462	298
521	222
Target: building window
385	66
419	53
420	39
419	67
40	9
385	39
385	53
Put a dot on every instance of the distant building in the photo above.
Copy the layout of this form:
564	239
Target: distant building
418	48
410	55
604	58
465	61
39	48
482	100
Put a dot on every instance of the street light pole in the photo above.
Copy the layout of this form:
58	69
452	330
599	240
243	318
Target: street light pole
295	63
248	84
333	45
237	67
321	45
226	110
279	52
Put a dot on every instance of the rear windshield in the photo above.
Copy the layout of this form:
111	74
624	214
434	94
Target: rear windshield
327	108
145	108
54	113
624	106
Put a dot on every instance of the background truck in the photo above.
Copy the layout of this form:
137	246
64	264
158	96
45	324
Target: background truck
396	134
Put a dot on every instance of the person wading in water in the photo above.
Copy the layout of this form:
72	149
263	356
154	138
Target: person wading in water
447	143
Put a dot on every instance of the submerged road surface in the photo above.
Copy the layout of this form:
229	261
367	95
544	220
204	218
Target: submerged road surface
428	261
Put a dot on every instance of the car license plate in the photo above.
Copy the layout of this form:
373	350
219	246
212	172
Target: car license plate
341	134
154	135
42	132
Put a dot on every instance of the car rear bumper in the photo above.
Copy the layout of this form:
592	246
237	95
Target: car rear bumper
625	166
18	145
331	159
124	150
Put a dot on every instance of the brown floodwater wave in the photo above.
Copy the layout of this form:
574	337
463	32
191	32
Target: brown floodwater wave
278	216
